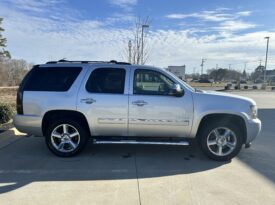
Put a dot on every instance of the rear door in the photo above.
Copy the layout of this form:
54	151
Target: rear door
103	98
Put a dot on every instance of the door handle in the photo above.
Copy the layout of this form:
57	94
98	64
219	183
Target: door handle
139	103
88	100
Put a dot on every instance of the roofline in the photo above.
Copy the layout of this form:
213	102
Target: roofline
87	62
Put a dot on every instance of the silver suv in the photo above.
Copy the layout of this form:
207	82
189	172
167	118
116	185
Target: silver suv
69	102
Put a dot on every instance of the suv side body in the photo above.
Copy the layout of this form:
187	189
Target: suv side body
132	102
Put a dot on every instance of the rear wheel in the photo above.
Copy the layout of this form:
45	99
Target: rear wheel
66	138
221	141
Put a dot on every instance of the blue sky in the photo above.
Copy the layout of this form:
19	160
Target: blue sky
181	31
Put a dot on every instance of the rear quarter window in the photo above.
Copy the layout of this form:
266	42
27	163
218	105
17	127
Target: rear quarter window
58	79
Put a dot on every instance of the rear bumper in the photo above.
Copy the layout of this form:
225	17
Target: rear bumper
253	127
30	124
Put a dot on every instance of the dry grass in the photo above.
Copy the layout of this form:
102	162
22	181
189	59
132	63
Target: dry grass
8	95
196	84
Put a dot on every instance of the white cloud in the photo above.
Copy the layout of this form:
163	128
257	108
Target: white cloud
223	20
38	39
220	14
33	5
235	26
244	13
125	4
206	16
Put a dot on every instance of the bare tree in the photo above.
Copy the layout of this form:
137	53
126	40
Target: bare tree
137	48
12	71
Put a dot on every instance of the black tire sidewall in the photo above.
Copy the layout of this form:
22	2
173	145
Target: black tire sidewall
212	125
82	131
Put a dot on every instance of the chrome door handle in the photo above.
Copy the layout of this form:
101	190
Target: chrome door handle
88	100
139	103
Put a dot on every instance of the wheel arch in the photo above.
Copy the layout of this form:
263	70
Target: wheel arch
63	114
224	117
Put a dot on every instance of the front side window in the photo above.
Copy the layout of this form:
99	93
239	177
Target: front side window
106	80
148	82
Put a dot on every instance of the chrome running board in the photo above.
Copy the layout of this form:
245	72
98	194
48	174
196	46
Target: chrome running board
140	142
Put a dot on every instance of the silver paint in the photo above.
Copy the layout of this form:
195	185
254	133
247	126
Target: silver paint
134	115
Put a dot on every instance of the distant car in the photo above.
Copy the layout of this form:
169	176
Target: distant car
258	81
243	82
69	102
204	81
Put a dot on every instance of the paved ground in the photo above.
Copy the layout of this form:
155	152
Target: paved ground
121	174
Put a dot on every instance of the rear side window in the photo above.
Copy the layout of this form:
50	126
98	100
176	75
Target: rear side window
57	79
106	80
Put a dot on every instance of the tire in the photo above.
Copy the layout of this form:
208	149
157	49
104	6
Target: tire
74	138
229	135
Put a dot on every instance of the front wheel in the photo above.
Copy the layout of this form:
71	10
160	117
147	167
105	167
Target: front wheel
66	138
221	141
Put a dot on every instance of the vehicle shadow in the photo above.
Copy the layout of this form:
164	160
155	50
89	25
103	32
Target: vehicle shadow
261	155
28	160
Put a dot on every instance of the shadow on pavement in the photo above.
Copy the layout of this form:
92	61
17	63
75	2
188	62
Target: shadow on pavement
261	155
28	160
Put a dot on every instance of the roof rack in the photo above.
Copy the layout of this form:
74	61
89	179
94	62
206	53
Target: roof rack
76	61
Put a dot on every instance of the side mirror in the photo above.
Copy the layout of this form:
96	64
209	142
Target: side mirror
177	90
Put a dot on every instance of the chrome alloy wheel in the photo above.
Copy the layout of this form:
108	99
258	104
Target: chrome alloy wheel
221	141
65	138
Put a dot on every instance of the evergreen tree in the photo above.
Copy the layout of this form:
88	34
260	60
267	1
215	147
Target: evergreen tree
3	41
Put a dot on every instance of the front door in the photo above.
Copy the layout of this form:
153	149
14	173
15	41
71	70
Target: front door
153	110
104	100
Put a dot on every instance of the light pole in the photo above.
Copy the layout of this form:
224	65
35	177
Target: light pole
142	33
202	63
266	58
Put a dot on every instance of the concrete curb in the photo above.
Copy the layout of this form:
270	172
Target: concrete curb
10	136
6	126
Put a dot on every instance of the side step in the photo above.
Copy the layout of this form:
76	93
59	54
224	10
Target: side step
140	142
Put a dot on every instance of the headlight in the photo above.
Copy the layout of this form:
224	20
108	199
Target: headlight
254	111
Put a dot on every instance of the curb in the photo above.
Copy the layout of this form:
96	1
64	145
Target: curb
6	126
10	136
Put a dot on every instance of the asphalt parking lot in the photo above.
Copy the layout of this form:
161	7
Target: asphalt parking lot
130	174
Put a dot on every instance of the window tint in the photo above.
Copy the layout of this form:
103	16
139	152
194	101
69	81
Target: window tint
52	79
147	82
106	80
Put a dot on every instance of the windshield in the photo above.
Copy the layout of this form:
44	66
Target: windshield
181	81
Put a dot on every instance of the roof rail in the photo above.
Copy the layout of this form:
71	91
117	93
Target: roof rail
76	61
119	62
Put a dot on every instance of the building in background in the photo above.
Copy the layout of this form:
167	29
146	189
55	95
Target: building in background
179	71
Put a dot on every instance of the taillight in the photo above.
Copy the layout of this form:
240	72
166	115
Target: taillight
19	101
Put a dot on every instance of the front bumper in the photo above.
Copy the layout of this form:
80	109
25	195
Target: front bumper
30	124
253	127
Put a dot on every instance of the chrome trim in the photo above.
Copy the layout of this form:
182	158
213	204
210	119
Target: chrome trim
159	122
112	120
139	103
140	142
88	100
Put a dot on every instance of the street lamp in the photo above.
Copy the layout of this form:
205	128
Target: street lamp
142	33
202	63
267	42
